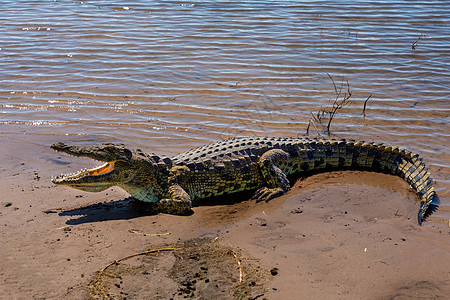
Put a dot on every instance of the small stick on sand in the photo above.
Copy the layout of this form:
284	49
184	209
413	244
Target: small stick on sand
148	234
117	261
239	265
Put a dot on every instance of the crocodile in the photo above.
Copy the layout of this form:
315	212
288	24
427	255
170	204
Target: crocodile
262	164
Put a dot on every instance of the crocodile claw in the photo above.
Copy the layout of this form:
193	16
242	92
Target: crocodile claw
175	207
266	194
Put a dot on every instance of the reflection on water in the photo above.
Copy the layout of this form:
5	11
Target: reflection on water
156	74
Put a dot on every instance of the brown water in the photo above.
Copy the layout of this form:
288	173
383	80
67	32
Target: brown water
169	75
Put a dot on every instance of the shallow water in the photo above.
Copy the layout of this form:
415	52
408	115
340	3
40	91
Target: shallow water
170	75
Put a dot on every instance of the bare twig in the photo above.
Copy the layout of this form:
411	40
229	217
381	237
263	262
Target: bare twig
341	100
338	104
307	128
334	84
149	251
239	265
365	103
311	122
422	36
148	234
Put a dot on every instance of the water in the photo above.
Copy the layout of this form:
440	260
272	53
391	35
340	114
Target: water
169	75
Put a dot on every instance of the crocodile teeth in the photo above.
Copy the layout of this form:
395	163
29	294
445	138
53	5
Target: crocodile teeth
101	170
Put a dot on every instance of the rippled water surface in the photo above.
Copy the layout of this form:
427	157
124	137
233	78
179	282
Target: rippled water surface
170	75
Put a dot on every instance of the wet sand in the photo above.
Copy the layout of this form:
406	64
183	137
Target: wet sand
339	235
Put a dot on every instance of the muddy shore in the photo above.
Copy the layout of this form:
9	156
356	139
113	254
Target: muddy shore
339	235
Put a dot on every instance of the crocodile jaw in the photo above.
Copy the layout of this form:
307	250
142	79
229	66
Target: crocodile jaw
94	180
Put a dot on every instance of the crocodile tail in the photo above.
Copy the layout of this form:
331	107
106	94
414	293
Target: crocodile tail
322	155
413	170
410	167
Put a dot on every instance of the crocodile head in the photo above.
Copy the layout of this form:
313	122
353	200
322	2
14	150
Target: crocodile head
138	173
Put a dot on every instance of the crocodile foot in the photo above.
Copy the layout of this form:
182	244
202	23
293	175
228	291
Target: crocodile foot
266	194
174	207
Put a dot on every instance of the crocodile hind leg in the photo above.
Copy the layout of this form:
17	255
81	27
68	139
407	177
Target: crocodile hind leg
179	202
276	181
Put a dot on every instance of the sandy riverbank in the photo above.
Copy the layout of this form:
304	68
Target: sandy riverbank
340	235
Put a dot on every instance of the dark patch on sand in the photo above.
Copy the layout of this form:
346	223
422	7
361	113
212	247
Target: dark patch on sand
197	268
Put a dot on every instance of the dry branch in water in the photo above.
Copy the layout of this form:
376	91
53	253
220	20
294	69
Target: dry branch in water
365	103
342	99
422	36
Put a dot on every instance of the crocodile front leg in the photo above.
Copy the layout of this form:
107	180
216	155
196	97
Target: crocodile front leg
178	203
276	181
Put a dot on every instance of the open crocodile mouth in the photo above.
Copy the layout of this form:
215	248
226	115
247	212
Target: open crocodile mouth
98	171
